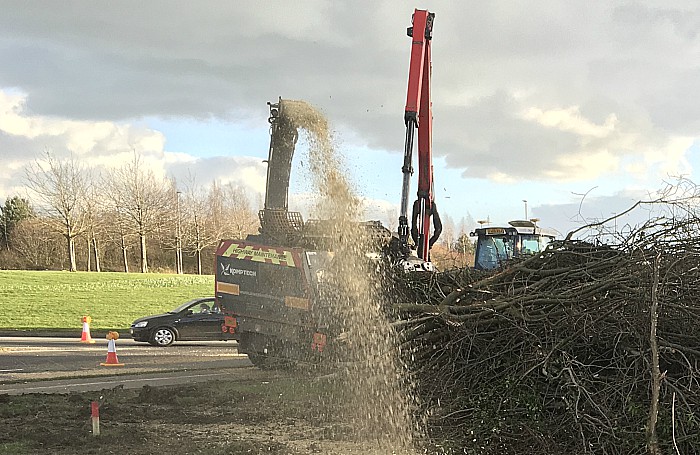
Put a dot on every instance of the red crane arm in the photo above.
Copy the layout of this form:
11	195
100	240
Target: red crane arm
418	116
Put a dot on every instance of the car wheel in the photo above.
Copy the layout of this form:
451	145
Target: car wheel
162	336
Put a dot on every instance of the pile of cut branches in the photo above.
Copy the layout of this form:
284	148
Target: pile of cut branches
585	348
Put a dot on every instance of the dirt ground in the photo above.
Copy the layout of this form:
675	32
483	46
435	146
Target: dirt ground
256	412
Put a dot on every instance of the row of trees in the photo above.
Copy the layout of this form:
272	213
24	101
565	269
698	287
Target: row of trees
79	219
111	219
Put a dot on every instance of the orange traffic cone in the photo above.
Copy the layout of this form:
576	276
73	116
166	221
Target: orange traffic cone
86	338
112	360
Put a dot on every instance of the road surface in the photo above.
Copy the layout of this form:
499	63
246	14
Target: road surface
61	365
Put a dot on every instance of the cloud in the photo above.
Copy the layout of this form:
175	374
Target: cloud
79	137
246	172
590	208
546	91
106	145
571	120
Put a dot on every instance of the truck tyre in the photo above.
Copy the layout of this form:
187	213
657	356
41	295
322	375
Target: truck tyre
162	336
266	362
260	360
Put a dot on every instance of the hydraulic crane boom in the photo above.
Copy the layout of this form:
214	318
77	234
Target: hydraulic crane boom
419	116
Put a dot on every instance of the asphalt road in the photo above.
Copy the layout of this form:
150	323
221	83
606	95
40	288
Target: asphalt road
62	365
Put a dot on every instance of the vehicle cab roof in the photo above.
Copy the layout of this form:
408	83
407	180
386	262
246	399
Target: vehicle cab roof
515	227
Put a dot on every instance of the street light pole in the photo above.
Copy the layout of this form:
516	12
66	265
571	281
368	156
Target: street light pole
525	201
178	241
4	217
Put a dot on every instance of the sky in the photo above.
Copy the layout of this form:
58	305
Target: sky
578	108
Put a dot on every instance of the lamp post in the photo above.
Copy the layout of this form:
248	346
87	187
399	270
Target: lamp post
178	241
4	218
525	201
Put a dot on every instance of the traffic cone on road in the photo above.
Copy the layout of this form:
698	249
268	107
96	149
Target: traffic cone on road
112	360
86	338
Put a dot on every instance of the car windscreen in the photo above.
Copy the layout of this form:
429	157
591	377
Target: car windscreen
184	306
533	243
493	250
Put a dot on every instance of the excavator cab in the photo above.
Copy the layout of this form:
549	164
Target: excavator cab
496	245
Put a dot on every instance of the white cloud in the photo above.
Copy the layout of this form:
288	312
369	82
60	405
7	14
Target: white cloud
554	92
501	177
585	165
103	144
672	159
570	119
610	147
79	137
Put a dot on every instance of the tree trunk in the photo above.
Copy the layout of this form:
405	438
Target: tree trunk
124	257
71	253
178	257
198	246
89	255
144	260
97	254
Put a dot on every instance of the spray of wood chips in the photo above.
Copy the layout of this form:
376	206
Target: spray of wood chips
378	402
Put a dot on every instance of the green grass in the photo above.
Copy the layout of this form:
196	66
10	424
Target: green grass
58	300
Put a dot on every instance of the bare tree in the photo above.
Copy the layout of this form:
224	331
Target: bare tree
115	233
448	231
123	243
95	224
35	245
142	199
229	212
61	187
239	218
196	234
216	218
169	231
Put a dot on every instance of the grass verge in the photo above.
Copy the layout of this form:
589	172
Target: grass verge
32	300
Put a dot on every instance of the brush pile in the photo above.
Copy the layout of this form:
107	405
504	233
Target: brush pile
585	348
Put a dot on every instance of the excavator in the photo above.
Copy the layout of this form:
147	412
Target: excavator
418	117
269	285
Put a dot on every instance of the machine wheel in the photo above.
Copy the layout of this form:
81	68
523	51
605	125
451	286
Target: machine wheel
261	361
266	362
162	336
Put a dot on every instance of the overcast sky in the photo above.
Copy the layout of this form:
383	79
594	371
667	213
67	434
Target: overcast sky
541	101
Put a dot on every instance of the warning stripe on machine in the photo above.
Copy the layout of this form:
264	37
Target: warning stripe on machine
269	255
227	288
297	302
